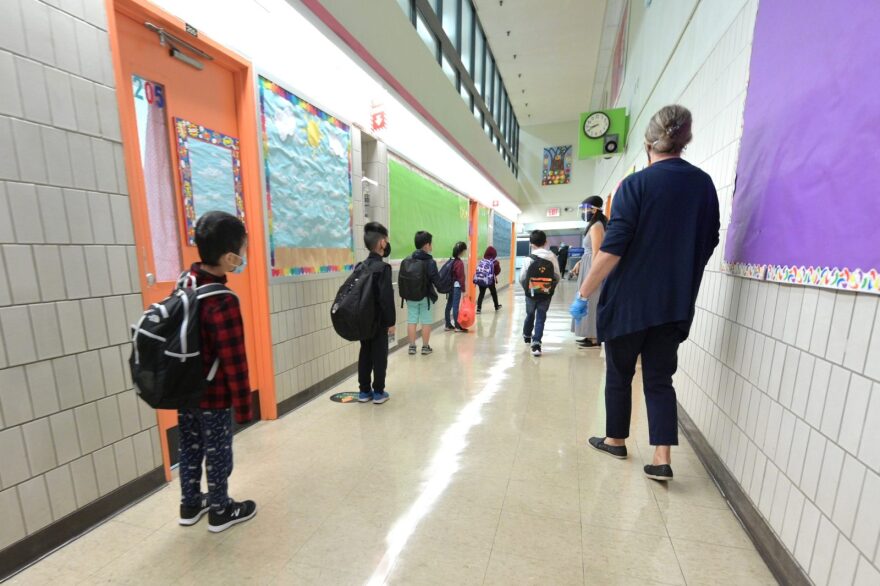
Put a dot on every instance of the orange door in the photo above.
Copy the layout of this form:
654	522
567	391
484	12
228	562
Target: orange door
155	90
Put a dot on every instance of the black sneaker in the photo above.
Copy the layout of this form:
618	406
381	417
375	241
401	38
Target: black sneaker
233	514
479	311
497	307
192	515
618	452
587	344
426	350
412	349
536	349
449	329
663	472
527	339
460	330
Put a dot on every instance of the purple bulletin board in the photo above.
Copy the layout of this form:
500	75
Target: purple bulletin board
806	209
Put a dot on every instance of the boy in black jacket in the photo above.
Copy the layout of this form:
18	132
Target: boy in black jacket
373	358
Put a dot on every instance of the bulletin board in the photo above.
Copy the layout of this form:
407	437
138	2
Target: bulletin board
483	231
501	236
417	203
307	161
805	209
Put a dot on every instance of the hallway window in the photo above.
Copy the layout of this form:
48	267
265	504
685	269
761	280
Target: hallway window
467	35
450	20
427	36
479	46
450	71
406	6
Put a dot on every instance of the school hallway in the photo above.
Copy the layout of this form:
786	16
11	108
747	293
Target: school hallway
475	472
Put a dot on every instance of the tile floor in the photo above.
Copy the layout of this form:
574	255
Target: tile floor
476	472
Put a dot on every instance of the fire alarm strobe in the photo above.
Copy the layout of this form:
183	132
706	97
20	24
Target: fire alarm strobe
612	141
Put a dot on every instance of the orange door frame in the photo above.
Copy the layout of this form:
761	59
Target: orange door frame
245	99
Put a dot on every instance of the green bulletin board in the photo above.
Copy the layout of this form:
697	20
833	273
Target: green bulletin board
483	234
417	203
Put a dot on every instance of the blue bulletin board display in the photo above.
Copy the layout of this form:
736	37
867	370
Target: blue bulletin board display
307	163
501	236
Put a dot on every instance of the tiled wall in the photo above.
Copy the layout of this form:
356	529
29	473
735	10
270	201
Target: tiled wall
71	428
782	381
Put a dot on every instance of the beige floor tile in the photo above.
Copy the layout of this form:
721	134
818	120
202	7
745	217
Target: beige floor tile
47	572
688	491
715	526
707	564
542	499
600	577
638	515
301	574
505	570
541	538
95	550
430	562
626	553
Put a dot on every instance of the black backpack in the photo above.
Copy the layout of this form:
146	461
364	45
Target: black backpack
412	280
166	360
540	281
445	281
354	310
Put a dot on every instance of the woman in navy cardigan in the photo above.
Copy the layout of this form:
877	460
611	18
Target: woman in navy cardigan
662	232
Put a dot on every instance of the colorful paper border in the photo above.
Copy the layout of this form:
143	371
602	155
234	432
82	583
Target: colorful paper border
271	86
856	280
187	130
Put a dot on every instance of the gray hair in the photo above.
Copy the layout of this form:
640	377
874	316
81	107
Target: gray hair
669	130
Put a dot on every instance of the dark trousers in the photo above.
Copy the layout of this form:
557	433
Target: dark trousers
453	300
494	293
658	347
373	363
536	315
205	435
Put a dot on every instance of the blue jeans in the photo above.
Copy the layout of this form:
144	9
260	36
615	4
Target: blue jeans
536	315
453	300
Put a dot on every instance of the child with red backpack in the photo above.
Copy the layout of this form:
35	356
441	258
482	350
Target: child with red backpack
486	277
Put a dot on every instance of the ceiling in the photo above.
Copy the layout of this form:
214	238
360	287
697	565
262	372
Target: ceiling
556	47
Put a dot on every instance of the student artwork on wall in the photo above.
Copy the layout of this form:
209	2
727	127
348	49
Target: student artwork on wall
805	209
307	164
210	173
557	165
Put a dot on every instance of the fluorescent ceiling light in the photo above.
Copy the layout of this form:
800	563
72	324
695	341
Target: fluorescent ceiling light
290	50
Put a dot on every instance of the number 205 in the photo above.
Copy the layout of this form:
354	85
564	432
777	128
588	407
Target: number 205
147	90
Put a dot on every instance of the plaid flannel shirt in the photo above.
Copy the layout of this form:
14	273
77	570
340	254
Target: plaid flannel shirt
222	334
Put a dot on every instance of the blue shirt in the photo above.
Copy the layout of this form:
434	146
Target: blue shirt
664	226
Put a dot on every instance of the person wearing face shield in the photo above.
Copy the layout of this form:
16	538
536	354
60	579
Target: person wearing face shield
591	213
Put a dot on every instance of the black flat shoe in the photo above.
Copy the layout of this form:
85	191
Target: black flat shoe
588	344
663	472
618	452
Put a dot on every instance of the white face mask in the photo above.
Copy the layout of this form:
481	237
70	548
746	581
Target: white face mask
239	268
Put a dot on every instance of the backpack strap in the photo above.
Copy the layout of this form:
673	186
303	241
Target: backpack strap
212	289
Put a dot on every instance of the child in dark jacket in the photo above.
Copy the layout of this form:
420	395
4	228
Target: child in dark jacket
373	359
453	300
487	277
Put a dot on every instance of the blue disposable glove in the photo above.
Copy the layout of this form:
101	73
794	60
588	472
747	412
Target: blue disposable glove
580	308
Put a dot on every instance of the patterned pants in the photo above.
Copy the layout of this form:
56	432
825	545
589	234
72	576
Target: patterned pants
205	435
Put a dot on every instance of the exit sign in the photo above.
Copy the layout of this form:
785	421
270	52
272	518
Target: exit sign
552	212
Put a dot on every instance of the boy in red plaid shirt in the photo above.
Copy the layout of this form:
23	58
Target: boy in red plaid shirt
206	432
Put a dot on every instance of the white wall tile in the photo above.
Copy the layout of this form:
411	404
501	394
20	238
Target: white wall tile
67	381
866	574
50	273
33	103
108	416
818	393
840	323
105	470
112	367
865	533
15	325
869	452
23	284
62	497
846	558
88	427
38	443
86	111
64	436
126	467
806	538
35	507
853	422
93	318
822	322
47	335
15	467
78	216
835	401
64	41
864	312
829	479
823	551
848	492
76	277
41	385
85	484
